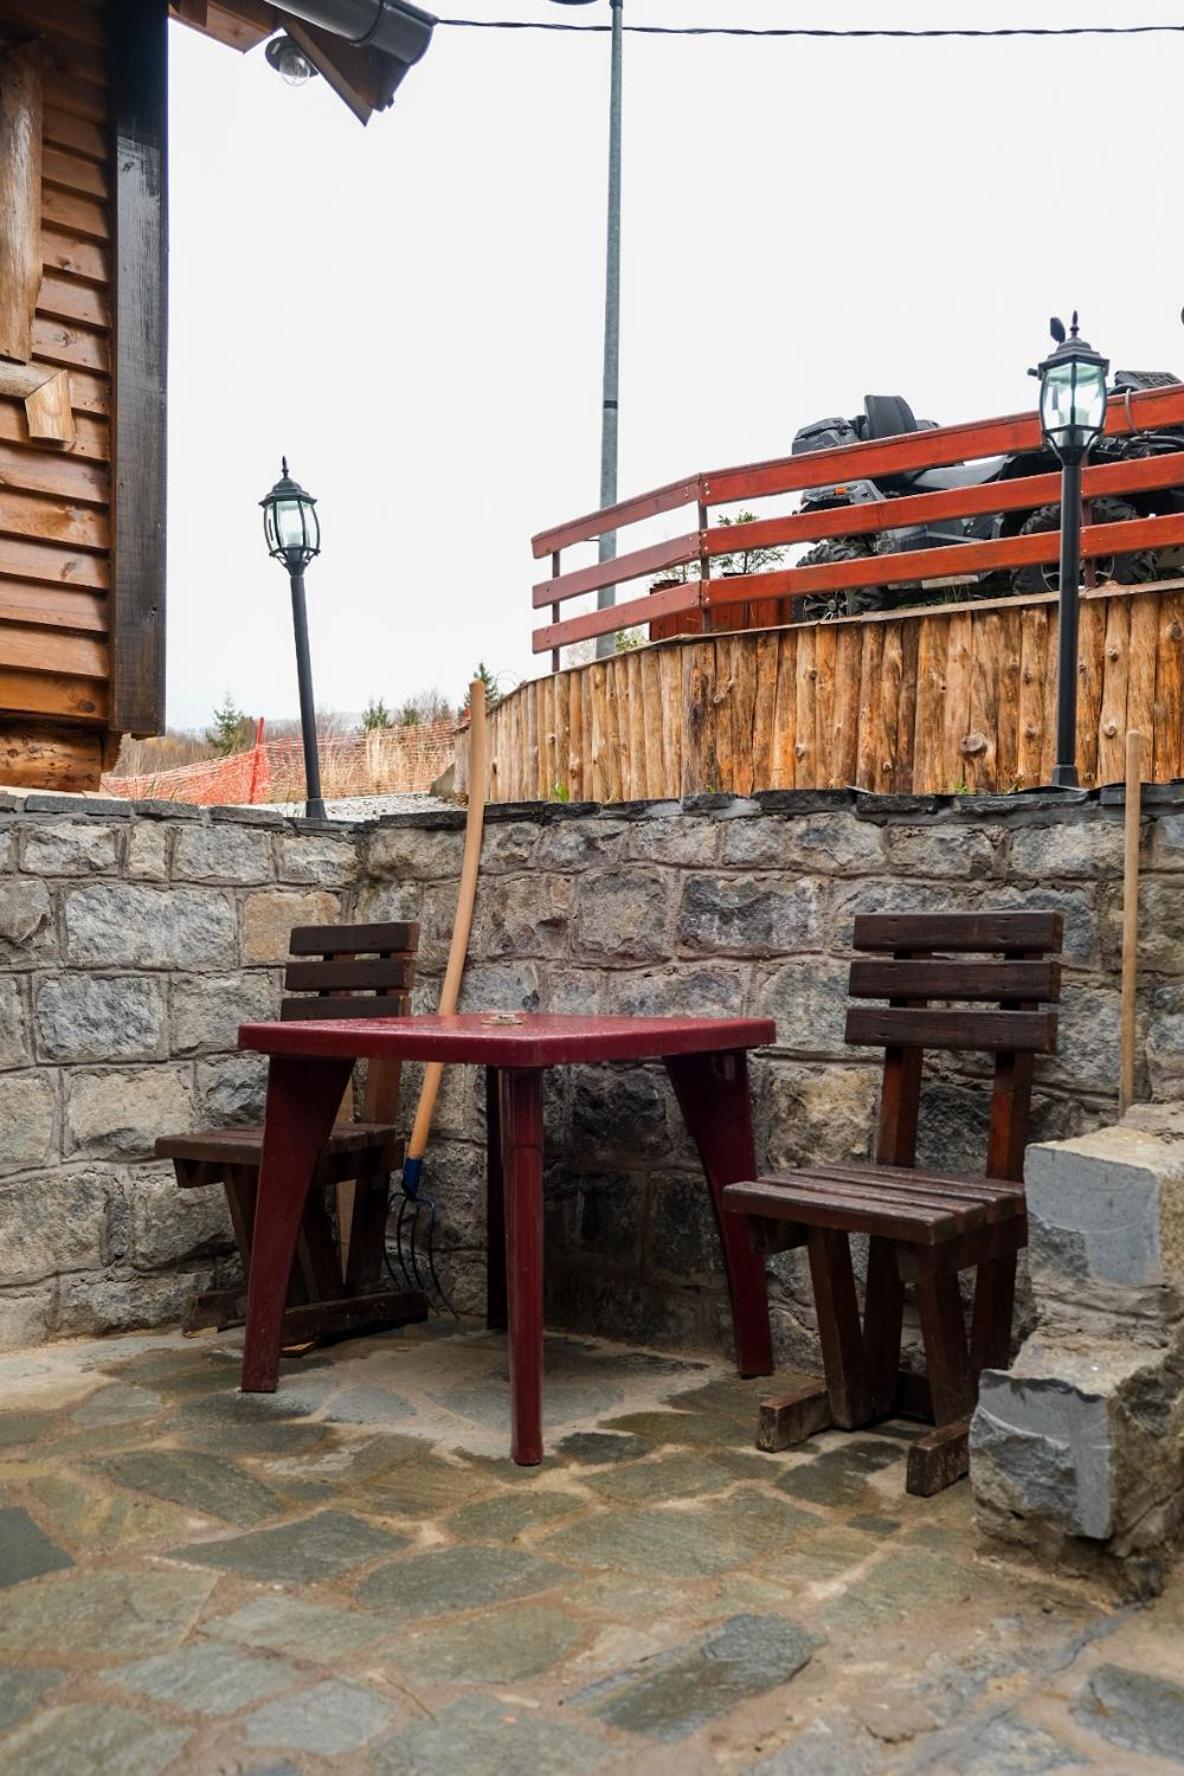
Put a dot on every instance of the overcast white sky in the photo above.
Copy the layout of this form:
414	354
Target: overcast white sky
413	311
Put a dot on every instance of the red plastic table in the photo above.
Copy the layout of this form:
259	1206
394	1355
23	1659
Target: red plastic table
706	1059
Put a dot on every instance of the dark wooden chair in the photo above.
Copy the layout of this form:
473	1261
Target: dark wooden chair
337	971
923	1226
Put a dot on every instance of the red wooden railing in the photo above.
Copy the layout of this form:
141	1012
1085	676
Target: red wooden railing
1149	410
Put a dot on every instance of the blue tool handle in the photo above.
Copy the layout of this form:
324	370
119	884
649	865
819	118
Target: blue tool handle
412	1177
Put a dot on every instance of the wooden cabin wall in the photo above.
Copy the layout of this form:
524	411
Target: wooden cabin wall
55	519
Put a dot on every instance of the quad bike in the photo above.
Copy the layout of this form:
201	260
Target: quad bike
886	416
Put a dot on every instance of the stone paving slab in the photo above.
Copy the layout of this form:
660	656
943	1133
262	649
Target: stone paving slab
673	1694
323	1546
26	1551
351	1576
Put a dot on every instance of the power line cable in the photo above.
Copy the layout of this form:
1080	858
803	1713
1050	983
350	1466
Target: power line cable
819	31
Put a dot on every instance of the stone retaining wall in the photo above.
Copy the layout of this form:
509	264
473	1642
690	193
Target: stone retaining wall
133	940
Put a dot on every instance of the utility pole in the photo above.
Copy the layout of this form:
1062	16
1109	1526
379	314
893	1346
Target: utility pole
606	597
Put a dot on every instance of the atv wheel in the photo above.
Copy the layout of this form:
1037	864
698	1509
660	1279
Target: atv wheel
1128	570
824	607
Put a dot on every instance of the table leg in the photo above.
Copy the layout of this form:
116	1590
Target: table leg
495	1208
302	1100
521	1107
712	1092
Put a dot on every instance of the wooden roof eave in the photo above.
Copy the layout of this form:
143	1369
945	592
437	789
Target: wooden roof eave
364	79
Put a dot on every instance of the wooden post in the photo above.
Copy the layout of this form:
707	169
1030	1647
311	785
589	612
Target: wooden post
1130	915
20	197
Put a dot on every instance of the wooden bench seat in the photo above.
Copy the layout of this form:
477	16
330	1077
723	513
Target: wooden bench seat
923	1225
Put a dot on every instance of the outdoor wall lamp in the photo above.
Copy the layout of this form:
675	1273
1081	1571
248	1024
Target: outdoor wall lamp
293	533
285	55
1072	415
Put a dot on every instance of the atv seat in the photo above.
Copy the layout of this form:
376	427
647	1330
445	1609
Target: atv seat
972	474
888	416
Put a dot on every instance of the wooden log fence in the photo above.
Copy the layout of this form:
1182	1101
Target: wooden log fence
935	700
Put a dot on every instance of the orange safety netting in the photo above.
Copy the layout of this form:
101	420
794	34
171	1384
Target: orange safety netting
388	761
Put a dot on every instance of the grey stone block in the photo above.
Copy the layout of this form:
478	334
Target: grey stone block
148	852
698	989
15	1049
27	1315
86	1017
322	859
27	933
156	808
269	915
208	1008
93	807
124	923
223	853
808	998
248	816
54	1221
70	848
1081	1439
27	1119
689	840
517	916
820	843
416	854
119	1114
1106	1207
170	1226
1086	846
499	986
819	1113
231	1089
941	850
510	847
623	915
571	847
749	915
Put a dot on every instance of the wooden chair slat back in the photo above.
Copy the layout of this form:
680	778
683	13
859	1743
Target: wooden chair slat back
912	976
395	937
350	972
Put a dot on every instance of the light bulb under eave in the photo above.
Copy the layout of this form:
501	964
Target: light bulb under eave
285	55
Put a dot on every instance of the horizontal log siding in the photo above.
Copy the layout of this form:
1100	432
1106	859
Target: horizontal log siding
54	502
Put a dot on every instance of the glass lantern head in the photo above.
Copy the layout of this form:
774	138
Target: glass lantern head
290	523
1072	395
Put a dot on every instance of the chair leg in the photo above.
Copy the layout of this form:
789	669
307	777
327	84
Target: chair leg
302	1100
367	1231
994	1306
951	1387
838	1328
883	1316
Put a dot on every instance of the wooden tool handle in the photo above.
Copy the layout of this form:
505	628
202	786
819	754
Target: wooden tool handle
1130	916
450	992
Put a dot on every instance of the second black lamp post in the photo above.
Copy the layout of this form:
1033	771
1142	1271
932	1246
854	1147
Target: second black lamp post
293	534
1072	415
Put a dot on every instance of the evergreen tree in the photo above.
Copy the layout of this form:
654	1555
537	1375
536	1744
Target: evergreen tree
232	731
376	715
492	694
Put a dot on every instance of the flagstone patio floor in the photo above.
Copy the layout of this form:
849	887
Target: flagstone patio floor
350	1576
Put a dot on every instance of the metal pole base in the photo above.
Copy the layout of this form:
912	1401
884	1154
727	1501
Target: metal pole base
1065	777
314	809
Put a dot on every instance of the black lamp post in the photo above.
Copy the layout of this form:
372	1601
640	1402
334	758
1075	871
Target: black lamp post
293	534
1072	414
